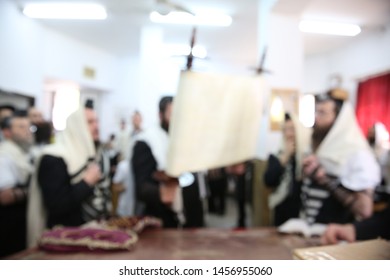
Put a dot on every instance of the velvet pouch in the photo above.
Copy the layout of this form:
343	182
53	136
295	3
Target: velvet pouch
72	239
133	223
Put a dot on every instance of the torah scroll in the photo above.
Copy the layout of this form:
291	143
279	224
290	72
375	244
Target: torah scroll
215	121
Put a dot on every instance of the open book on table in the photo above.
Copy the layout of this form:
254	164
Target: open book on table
300	226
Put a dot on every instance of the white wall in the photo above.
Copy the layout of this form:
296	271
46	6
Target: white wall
285	61
285	52
21	52
365	56
65	58
116	77
121	103
31	53
316	74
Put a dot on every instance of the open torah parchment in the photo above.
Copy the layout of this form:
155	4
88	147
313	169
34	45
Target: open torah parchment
215	121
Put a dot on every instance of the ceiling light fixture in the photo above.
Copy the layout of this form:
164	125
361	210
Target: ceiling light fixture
330	28
65	11
211	19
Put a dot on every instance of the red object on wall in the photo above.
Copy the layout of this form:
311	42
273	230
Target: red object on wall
373	102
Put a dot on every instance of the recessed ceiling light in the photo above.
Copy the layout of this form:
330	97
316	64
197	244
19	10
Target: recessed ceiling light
330	28
212	19
65	11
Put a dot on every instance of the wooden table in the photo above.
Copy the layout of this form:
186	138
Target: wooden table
194	244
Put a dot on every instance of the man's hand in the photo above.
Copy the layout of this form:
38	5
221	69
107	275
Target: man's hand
161	176
7	197
312	165
92	174
214	174
168	192
118	188
336	233
363	205
236	169
168	186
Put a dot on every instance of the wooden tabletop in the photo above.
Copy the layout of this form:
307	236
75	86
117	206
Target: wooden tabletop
194	244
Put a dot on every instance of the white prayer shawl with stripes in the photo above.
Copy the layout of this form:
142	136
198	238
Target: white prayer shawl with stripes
302	144
75	146
345	153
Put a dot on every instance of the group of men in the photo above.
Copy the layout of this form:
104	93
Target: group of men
15	176
330	178
70	184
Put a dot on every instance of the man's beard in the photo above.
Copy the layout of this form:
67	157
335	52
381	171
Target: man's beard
96	143
371	140
319	134
165	125
23	144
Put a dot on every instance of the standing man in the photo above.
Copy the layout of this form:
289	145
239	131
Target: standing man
35	116
284	171
15	173
6	110
123	140
71	185
342	172
136	120
161	194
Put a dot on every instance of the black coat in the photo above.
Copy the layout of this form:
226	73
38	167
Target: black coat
63	201
147	191
291	205
376	226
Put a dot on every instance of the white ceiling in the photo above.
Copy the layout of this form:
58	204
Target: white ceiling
120	32
370	15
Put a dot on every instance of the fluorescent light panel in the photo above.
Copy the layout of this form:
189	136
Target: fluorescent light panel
212	19
65	11
330	28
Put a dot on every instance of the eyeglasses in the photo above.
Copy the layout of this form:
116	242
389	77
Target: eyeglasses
33	128
322	113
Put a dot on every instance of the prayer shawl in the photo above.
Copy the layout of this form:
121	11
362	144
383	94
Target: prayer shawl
158	141
123	143
75	146
302	144
345	153
12	152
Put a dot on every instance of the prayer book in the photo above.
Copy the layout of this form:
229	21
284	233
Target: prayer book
300	226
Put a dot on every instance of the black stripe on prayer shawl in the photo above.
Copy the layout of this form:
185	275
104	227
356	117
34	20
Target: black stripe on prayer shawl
81	169
97	207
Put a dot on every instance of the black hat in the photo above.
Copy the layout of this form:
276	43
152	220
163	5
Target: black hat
336	94
164	101
89	104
